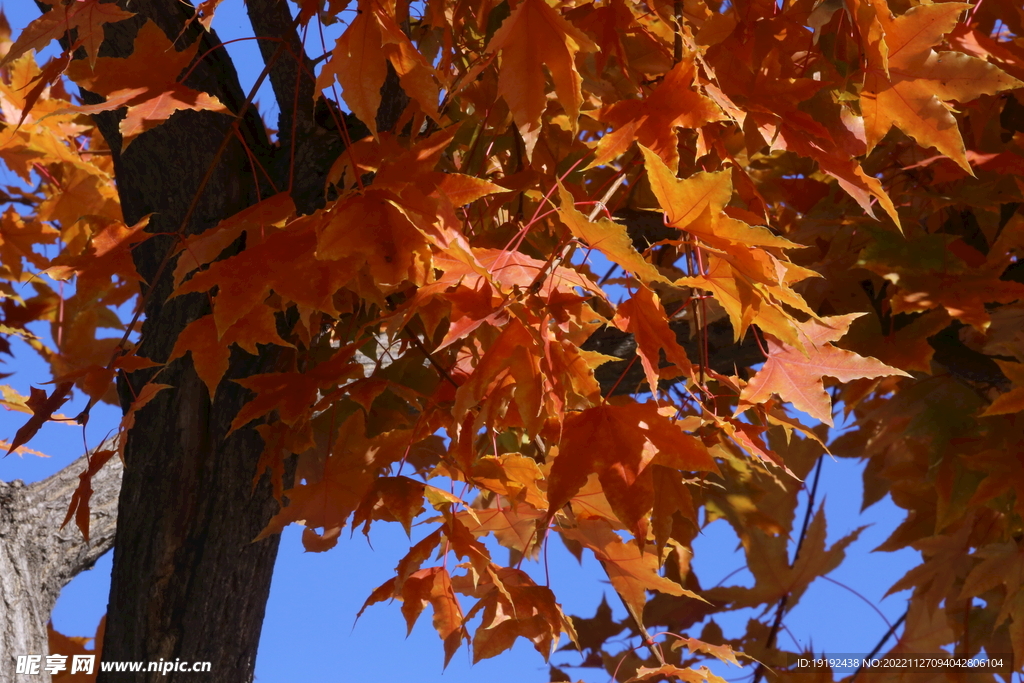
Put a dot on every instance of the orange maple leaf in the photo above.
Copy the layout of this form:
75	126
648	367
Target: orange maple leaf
146	81
535	38
359	62
79	507
797	376
244	281
654	120
1013	400
767	558
517	608
608	237
514	525
373	229
293	395
631	437
255	222
643	316
908	84
210	354
1002	566
108	254
349	473
42	407
631	571
75	645
17	238
509	371
87	17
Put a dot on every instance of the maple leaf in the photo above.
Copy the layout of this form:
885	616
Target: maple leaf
908	84
749	282
464	189
796	376
293	394
42	407
84	192
507	270
1002	472
359	62
255	222
76	646
608	237
517	608
744	301
145	81
645	673
1001	566
244	280
79	506
1012	401
696	205
348	475
535	38
774	576
653	121
86	17
394	499
434	586
632	436
931	272
672	500
512	475
210	354
593	631
142	399
508	367
643	316
17	237
373	229
107	254
925	630
417	588
632	572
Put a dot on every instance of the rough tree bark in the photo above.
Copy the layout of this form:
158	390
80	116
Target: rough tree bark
187	582
37	560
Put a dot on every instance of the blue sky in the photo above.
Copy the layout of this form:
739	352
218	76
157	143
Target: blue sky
308	632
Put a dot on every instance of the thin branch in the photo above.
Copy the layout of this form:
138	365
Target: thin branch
781	609
881	642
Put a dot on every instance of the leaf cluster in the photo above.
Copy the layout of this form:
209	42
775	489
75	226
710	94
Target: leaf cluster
835	184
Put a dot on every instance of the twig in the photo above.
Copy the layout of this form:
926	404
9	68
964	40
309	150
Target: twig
639	622
781	609
888	634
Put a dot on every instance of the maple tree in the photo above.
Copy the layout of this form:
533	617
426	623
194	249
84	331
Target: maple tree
390	310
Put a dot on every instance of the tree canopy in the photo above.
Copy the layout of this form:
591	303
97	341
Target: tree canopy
506	270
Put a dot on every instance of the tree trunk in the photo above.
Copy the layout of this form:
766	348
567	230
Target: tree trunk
188	584
37	559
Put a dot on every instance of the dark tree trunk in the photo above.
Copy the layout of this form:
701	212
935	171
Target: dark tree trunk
188	584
